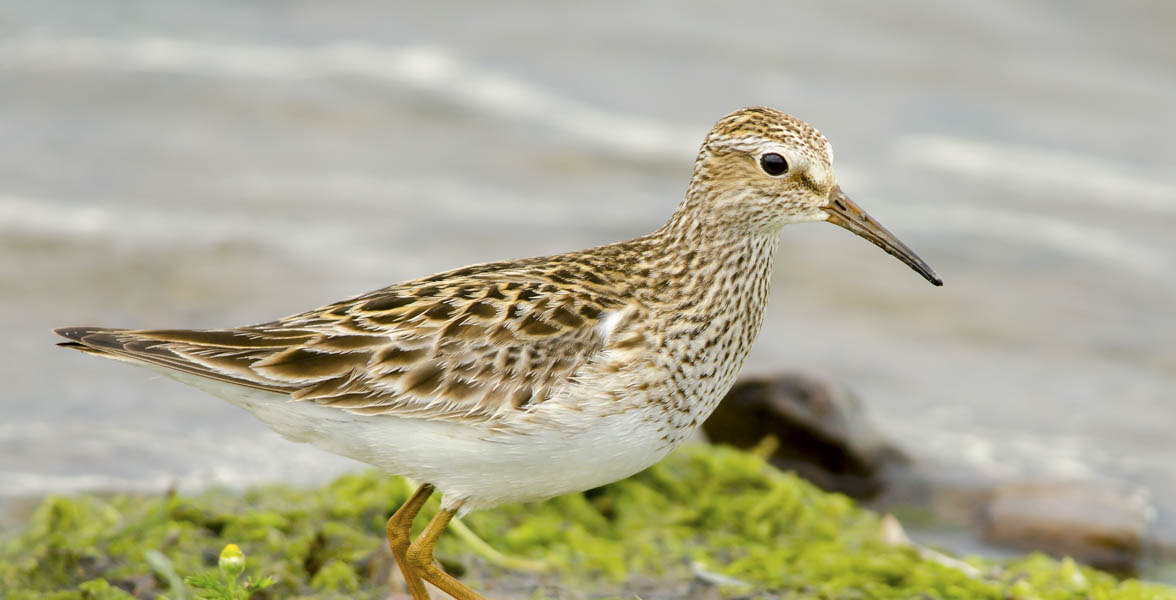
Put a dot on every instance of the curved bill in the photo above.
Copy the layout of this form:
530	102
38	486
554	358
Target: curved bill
842	211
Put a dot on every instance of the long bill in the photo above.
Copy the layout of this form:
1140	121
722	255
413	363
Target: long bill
843	212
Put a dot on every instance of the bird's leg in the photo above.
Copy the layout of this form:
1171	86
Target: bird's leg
420	555
399	531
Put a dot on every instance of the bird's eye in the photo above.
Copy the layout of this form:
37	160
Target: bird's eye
773	164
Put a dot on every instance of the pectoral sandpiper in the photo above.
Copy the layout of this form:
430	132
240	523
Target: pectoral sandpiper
522	380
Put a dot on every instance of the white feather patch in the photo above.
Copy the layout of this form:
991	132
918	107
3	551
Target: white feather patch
608	322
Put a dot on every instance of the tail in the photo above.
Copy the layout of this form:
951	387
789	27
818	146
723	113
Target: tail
78	335
223	355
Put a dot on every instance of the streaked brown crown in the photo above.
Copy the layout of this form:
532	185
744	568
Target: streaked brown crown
769	123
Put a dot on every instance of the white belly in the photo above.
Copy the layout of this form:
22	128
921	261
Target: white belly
470	463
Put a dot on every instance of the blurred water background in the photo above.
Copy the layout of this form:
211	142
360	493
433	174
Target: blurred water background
214	163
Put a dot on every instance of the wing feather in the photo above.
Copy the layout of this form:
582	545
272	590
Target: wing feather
467	347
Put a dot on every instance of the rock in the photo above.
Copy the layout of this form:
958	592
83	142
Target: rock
823	433
1095	525
825	437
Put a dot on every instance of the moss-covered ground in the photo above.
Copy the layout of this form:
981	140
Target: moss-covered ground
704	509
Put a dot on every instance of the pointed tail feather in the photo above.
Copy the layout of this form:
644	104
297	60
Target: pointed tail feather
142	347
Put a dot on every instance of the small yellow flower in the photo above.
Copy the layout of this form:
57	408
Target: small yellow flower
232	562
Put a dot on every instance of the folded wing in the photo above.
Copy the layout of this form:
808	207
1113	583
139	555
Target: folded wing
463	347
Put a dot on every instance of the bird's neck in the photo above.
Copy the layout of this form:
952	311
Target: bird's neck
712	284
708	271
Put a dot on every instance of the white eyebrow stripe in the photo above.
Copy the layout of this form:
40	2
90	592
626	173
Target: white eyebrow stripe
759	145
746	143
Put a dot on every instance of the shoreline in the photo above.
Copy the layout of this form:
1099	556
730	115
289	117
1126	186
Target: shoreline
702	519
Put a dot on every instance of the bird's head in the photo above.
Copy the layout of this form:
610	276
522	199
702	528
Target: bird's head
760	169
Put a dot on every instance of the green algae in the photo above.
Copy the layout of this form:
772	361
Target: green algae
708	508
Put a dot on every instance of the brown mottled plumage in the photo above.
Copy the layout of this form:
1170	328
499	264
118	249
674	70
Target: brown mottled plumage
526	379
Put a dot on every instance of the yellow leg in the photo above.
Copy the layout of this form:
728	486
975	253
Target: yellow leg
399	531
420	556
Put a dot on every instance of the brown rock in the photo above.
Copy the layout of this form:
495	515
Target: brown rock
823	433
1095	525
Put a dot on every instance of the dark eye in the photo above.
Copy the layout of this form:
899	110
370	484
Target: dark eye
773	164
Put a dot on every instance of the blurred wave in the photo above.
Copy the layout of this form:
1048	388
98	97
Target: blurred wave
1079	178
1104	246
424	68
435	70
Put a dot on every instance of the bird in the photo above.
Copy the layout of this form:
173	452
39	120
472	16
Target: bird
526	379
